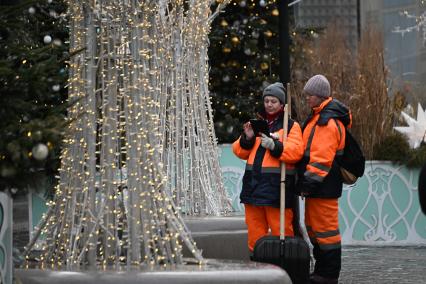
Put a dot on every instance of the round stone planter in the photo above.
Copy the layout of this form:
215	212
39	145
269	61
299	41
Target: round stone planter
214	271
219	237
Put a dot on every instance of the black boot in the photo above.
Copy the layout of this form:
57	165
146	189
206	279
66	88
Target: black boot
318	279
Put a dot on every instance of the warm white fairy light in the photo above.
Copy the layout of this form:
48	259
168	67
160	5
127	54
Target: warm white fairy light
188	141
418	26
139	82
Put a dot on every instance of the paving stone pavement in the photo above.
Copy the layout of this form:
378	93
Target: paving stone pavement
383	264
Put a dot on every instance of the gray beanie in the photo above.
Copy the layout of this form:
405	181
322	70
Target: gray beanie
275	90
318	86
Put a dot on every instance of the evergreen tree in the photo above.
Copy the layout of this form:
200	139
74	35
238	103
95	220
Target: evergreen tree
244	58
33	76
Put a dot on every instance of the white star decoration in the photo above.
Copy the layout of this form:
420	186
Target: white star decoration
416	130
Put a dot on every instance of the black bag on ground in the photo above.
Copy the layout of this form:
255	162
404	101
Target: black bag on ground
352	162
291	254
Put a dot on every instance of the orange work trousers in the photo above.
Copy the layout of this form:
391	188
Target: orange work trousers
261	220
322	222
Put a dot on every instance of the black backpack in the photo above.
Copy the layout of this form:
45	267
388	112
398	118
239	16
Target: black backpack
352	162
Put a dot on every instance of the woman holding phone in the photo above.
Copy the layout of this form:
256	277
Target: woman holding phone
264	153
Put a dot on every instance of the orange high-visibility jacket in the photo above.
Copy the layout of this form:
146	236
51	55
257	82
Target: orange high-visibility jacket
324	139
261	181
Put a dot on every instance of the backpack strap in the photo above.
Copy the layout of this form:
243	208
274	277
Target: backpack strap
309	144
339	152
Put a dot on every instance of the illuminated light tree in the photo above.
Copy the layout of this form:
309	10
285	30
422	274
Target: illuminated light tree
140	126
187	137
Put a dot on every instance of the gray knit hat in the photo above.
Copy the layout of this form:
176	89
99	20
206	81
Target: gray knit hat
275	90
318	86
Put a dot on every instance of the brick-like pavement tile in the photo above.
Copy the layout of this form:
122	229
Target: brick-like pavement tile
383	264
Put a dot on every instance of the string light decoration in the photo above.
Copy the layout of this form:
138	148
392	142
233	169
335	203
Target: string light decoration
140	136
188	141
419	22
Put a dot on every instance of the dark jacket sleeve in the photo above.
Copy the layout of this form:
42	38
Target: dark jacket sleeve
246	143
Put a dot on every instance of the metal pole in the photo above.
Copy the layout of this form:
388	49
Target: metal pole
284	41
283	173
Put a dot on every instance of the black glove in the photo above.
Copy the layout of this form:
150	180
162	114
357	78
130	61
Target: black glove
308	187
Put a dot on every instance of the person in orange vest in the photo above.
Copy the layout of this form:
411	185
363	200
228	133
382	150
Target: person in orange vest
319	177
261	182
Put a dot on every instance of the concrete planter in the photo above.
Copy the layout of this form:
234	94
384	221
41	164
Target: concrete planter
219	237
6	262
212	272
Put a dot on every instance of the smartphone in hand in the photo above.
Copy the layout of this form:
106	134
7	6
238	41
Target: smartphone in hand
260	126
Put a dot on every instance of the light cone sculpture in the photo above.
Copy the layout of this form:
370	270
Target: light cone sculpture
188	142
140	147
